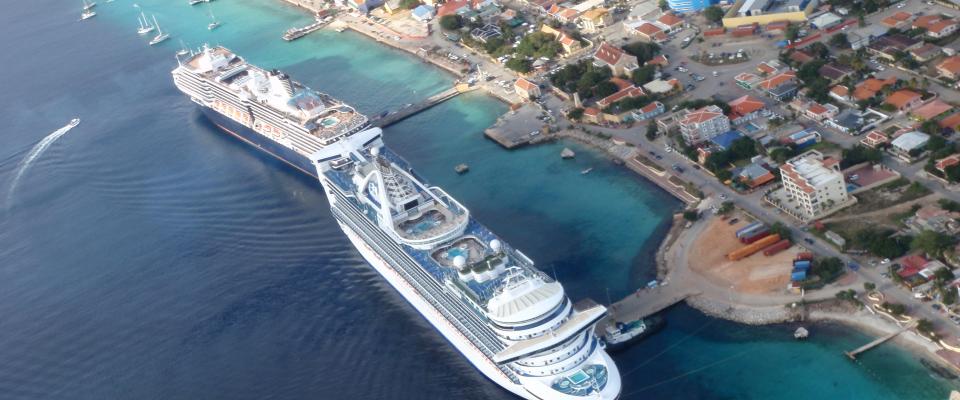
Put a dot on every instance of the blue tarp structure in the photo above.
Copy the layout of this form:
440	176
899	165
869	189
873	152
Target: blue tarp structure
726	139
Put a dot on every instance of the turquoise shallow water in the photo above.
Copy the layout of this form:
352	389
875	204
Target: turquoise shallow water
149	256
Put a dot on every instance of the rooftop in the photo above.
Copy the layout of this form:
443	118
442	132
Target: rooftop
910	141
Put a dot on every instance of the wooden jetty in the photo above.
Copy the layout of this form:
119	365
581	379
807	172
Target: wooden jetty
853	354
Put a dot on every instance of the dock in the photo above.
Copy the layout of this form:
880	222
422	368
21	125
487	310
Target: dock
414	109
519	127
853	354
646	302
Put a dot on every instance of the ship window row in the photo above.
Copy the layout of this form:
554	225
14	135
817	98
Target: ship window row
560	357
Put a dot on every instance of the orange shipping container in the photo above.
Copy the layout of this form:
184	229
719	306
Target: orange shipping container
754	247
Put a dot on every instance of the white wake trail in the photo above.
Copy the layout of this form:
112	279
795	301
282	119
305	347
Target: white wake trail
35	153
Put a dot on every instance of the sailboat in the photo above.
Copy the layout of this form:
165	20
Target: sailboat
195	2
183	49
87	12
145	26
214	24
160	35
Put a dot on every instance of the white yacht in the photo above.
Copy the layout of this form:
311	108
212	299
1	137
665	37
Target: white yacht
161	37
145	26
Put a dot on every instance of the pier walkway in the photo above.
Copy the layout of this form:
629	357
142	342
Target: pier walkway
853	354
414	109
646	302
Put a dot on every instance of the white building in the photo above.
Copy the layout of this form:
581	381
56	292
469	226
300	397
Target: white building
909	146
815	183
702	124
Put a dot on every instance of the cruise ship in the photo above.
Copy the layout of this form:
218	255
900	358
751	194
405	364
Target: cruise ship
264	108
514	323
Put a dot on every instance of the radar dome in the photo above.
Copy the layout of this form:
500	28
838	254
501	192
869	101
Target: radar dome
495	245
375	151
459	262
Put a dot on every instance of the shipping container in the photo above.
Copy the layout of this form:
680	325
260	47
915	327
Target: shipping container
755	236
747	228
752	231
753	247
804	265
805	256
798	276
777	247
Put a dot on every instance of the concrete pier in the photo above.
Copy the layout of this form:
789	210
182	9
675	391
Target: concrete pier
646	302
414	109
853	354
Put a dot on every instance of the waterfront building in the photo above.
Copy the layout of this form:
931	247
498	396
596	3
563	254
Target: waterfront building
703	124
763	12
685	6
815	183
619	61
526	89
622	94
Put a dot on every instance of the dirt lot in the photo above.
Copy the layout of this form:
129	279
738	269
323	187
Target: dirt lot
757	274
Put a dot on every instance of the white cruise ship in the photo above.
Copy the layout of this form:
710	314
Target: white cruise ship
511	321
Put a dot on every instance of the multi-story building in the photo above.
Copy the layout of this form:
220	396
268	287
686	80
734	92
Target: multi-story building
815	183
683	6
702	124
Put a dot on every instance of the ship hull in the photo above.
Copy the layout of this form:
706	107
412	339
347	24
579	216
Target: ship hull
434	317
261	142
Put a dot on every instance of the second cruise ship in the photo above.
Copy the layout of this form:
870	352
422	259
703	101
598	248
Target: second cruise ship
511	321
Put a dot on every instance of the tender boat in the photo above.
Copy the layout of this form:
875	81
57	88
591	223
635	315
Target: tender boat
618	334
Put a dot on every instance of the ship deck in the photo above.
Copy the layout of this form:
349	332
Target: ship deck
475	233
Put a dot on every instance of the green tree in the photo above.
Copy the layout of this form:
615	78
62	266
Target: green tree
604	89
782	230
519	64
409	4
925	326
539	44
949	205
894	308
953	173
575	114
725	207
840	40
869	286
827	269
664	5
723	175
493	45
651	131
781	154
713	14
691	215
793	31
643	74
451	22
858	154
642	50
932	243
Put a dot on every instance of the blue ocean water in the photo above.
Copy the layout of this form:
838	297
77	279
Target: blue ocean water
145	255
